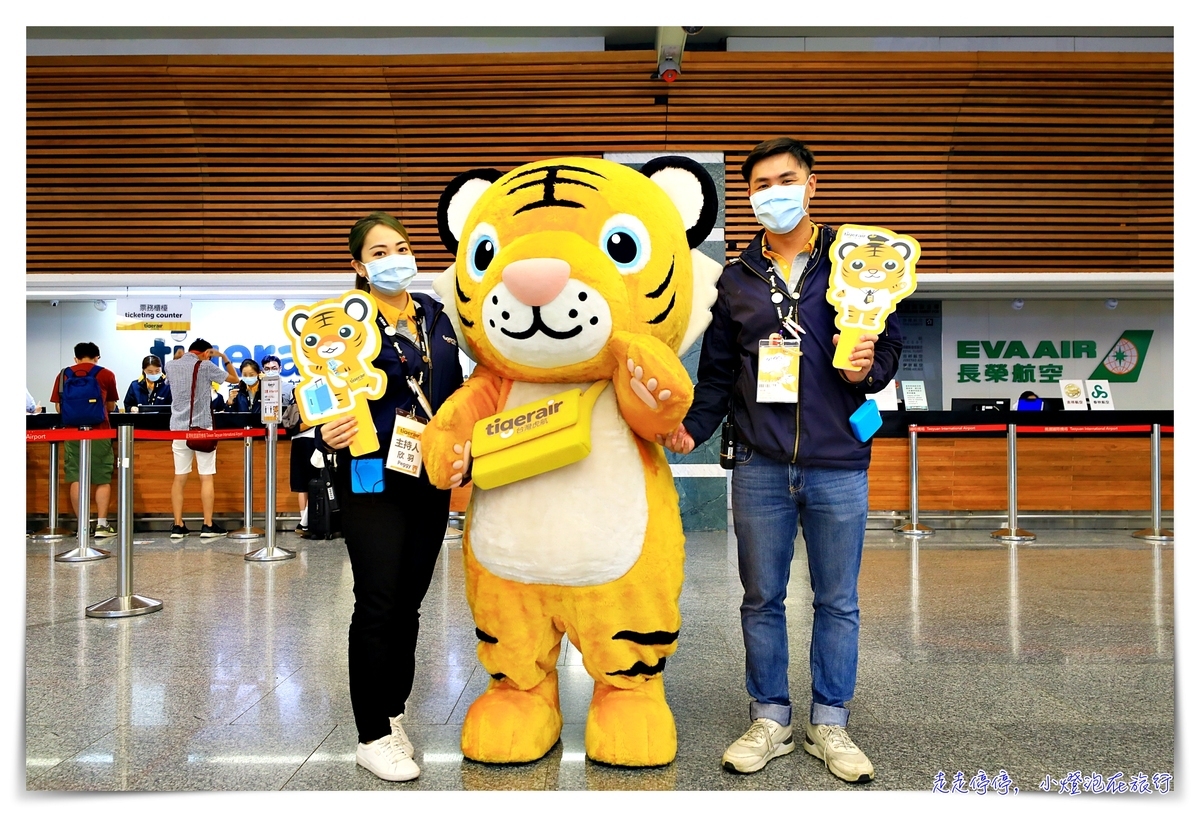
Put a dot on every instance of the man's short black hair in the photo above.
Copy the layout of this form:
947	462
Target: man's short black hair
773	147
271	359
87	350
200	345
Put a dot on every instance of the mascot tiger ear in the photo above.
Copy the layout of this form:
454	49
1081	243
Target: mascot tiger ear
694	195
453	208
457	200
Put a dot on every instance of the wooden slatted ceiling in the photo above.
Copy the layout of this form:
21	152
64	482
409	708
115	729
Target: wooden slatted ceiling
996	162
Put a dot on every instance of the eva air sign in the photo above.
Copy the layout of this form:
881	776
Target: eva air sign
1010	361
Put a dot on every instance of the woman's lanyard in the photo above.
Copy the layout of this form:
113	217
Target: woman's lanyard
414	384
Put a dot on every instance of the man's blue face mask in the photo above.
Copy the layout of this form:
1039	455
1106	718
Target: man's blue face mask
779	208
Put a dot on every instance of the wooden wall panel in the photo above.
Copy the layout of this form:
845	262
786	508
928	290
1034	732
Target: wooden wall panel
997	162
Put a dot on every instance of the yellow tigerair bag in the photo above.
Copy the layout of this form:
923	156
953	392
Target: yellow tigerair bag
534	438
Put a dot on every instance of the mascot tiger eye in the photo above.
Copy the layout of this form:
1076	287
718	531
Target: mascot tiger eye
583	273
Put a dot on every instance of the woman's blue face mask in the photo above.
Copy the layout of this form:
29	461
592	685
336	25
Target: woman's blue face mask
392	274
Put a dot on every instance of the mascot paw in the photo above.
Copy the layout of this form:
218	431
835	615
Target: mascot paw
507	725
630	727
646	388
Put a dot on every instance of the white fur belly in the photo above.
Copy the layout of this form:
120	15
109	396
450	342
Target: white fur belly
579	525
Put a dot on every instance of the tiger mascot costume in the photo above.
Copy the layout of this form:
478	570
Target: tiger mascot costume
570	272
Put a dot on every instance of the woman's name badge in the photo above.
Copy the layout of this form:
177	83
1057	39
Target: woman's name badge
404	454
778	370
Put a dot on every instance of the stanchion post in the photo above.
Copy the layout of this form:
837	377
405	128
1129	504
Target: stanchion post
247	530
52	531
913	527
125	603
270	553
83	551
1155	533
1012	533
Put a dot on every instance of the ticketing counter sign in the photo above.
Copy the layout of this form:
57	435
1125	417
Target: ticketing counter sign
154	313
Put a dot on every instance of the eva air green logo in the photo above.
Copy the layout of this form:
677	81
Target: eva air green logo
1124	360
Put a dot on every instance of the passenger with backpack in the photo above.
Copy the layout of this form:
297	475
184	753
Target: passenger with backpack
84	394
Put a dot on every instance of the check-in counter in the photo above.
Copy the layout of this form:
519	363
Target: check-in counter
1067	461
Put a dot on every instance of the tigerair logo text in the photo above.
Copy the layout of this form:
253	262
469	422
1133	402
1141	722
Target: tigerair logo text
523	423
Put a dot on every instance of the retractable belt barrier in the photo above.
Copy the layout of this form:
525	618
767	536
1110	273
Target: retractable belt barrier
1012	533
126	603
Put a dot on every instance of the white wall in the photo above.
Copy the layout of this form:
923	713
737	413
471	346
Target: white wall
52	332
1038	320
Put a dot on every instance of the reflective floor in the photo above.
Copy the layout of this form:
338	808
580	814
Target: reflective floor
1044	660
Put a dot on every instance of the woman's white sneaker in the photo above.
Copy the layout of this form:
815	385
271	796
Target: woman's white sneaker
387	759
842	757
764	740
399	734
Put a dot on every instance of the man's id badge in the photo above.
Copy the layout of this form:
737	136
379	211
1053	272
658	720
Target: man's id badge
404	454
778	370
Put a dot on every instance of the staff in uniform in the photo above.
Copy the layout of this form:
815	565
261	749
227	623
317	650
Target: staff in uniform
152	388
393	523
246	395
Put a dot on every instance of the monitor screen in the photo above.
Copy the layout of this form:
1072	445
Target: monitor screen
1034	404
979	404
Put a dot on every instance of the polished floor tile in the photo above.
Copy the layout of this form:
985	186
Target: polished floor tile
1040	660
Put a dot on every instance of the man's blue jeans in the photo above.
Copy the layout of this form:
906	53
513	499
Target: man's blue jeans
830	505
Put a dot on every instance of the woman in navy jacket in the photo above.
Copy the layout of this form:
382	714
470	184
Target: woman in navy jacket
393	523
152	388
246	395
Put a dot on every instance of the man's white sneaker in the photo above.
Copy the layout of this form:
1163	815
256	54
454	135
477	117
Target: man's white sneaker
842	757
400	735
764	740
386	758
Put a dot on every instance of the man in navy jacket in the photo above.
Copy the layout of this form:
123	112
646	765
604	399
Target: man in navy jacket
796	462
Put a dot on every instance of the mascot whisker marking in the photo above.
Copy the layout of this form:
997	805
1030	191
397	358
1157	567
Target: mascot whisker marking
561	268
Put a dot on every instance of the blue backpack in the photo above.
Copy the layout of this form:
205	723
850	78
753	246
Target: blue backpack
81	399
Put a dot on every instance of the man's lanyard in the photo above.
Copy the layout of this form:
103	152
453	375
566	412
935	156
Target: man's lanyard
390	332
789	322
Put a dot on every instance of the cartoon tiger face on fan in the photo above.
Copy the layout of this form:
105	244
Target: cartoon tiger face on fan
555	256
335	341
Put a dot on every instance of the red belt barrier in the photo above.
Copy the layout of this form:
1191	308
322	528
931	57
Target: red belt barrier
1082	429
56	435
1045	429
1168	429
216	434
997	427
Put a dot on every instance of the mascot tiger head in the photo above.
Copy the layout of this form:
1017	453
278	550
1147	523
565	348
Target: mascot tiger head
555	256
336	339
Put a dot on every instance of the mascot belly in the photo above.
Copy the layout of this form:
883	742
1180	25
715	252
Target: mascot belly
568	273
518	530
